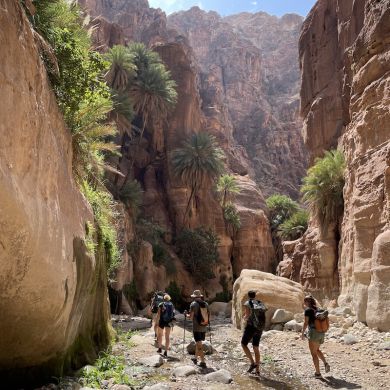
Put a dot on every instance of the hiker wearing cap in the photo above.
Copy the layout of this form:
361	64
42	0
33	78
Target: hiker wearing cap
165	316
316	338
199	313
254	315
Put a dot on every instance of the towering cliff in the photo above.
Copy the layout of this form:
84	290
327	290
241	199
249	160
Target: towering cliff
53	291
345	52
249	82
165	198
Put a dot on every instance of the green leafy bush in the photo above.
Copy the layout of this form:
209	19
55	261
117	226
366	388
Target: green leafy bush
175	293
131	195
198	249
227	188
231	216
295	226
323	188
281	208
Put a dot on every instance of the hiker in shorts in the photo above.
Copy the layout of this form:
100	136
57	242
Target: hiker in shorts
198	311
165	316
157	298
254	315
315	338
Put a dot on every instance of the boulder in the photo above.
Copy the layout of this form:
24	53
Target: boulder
282	316
137	323
349	339
221	309
152	361
276	293
293	325
221	376
384	346
183	371
341	311
207	348
278	327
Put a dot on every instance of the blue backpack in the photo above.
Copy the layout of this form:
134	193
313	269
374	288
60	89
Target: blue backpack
168	312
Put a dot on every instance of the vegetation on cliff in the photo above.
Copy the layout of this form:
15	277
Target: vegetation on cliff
323	189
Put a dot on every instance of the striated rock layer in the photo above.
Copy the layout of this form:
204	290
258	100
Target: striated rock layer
54	312
345	101
165	198
249	82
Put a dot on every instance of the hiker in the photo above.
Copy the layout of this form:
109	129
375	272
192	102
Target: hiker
200	314
165	317
157	298
254	315
315	337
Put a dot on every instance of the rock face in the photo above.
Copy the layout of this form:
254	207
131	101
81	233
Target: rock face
274	291
344	52
165	198
53	292
249	83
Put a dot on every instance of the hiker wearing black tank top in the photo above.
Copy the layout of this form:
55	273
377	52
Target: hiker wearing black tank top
315	338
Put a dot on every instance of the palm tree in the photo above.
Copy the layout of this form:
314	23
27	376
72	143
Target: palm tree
122	67
227	188
323	188
197	162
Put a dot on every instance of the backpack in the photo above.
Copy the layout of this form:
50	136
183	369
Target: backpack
156	300
167	311
257	315
203	314
321	322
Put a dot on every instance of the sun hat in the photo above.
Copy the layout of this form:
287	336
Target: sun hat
197	294
167	297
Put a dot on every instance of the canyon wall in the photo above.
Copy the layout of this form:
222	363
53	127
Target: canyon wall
345	100
54	307
249	82
165	198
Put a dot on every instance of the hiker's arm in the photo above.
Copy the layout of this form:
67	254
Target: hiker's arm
304	327
246	314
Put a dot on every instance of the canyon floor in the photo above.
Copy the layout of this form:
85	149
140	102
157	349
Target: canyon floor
286	362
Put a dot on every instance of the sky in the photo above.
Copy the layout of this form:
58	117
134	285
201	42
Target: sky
228	7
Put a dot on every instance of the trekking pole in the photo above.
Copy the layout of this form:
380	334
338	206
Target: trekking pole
210	333
184	337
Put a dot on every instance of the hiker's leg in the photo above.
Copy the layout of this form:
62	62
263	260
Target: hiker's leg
159	336
256	350
314	354
255	343
167	334
247	353
199	346
246	338
321	355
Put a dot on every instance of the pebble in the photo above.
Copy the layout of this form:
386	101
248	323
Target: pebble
152	361
183	371
350	339
221	376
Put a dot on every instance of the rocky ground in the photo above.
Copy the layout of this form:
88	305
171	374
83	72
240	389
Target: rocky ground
359	359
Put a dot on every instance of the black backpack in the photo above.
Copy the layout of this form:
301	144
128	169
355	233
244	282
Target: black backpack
257	315
203	313
156	300
167	312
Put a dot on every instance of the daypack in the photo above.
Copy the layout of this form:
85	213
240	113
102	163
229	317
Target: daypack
203	313
168	312
156	300
321	322
257	315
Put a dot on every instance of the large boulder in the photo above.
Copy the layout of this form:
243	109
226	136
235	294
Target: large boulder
276	293
221	309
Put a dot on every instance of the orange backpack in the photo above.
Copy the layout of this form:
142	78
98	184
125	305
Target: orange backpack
321	322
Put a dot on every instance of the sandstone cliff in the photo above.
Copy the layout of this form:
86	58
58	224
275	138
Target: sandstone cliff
250	82
54	312
345	52
165	197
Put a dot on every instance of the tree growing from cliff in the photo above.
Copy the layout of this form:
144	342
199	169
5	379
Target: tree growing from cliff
295	226
281	208
198	249
198	162
323	189
227	188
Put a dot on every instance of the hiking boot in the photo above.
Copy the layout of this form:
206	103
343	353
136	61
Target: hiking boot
327	367
166	353
252	367
318	375
159	350
194	360
202	365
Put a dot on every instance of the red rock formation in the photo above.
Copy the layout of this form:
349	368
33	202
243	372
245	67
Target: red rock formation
345	51
250	81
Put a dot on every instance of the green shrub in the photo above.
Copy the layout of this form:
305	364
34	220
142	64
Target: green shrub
175	293
162	257
227	188
281	208
294	227
323	188
231	216
131	195
130	291
198	250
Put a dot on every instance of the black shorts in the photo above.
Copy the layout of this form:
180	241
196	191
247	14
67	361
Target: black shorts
199	336
163	324
251	334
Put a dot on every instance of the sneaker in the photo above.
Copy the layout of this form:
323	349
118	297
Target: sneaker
252	367
159	350
327	367
202	364
317	376
166	353
194	360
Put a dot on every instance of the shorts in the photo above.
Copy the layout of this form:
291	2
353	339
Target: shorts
199	336
163	324
251	334
315	336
